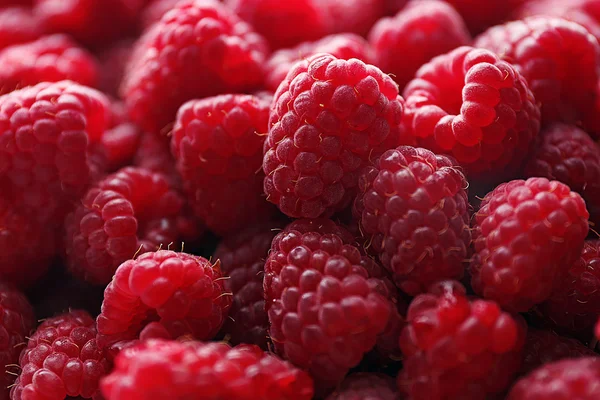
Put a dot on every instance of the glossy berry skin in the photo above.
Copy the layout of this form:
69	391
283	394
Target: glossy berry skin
159	369
526	236
329	118
217	143
18	25
421	31
413	213
198	49
61	359
181	292
455	348
361	386
471	105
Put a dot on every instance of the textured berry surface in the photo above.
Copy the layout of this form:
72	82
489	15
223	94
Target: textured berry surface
366	386
527	234
155	10
328	119
455	348
61	359
470	104
17	25
119	144
160	369
413	213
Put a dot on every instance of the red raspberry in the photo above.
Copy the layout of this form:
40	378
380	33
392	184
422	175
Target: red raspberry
343	45
198	49
413	211
18	25
113	61
361	386
562	380
480	15
159	369
559	59
153	154
328	119
526	236
61	359
119	144
356	16
155	10
568	154
422	30
471	105
217	143
182	292
455	348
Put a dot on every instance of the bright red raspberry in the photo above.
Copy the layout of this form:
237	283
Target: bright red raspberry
480	15
562	380
161	369
328	119
560	60
155	10
182	292
198	49
61	359
526	236
413	212
456	348
470	104
113	61
18	25
422	30
370	386
343	45
217	143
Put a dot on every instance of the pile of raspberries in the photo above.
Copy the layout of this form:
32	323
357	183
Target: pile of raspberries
300	199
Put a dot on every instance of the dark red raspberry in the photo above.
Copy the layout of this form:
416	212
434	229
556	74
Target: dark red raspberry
560	60
562	380
470	104
328	119
366	386
422	30
480	15
119	145
61	360
113	61
217	143
182	293
198	49
155	10
343	45
456	348
153	154
413	212
161	369
18	25
526	235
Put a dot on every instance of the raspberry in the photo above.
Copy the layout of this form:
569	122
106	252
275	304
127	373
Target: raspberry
217	143
61	359
479	15
414	214
559	59
568	154
471	105
160	369
18	25
343	45
119	144
361	386
356	16
420	31
113	61
526	236
455	348
328	119
153	154
182	293
155	10
198	49
566	379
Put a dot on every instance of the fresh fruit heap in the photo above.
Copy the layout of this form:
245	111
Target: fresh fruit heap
300	199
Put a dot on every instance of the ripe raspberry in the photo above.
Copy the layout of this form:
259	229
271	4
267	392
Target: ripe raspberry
526	235
420	31
413	211
559	59
356	16
217	143
567	379
198	49
471	105
161	369
328	119
361	386
61	359
343	45
455	348
155	10
153	154
18	25
182	293
480	15
568	154
119	145
113	61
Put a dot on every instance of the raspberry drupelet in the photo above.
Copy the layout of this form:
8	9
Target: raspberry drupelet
526	234
159	369
17	25
198	49
470	104
61	360
154	11
369	386
455	348
329	118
